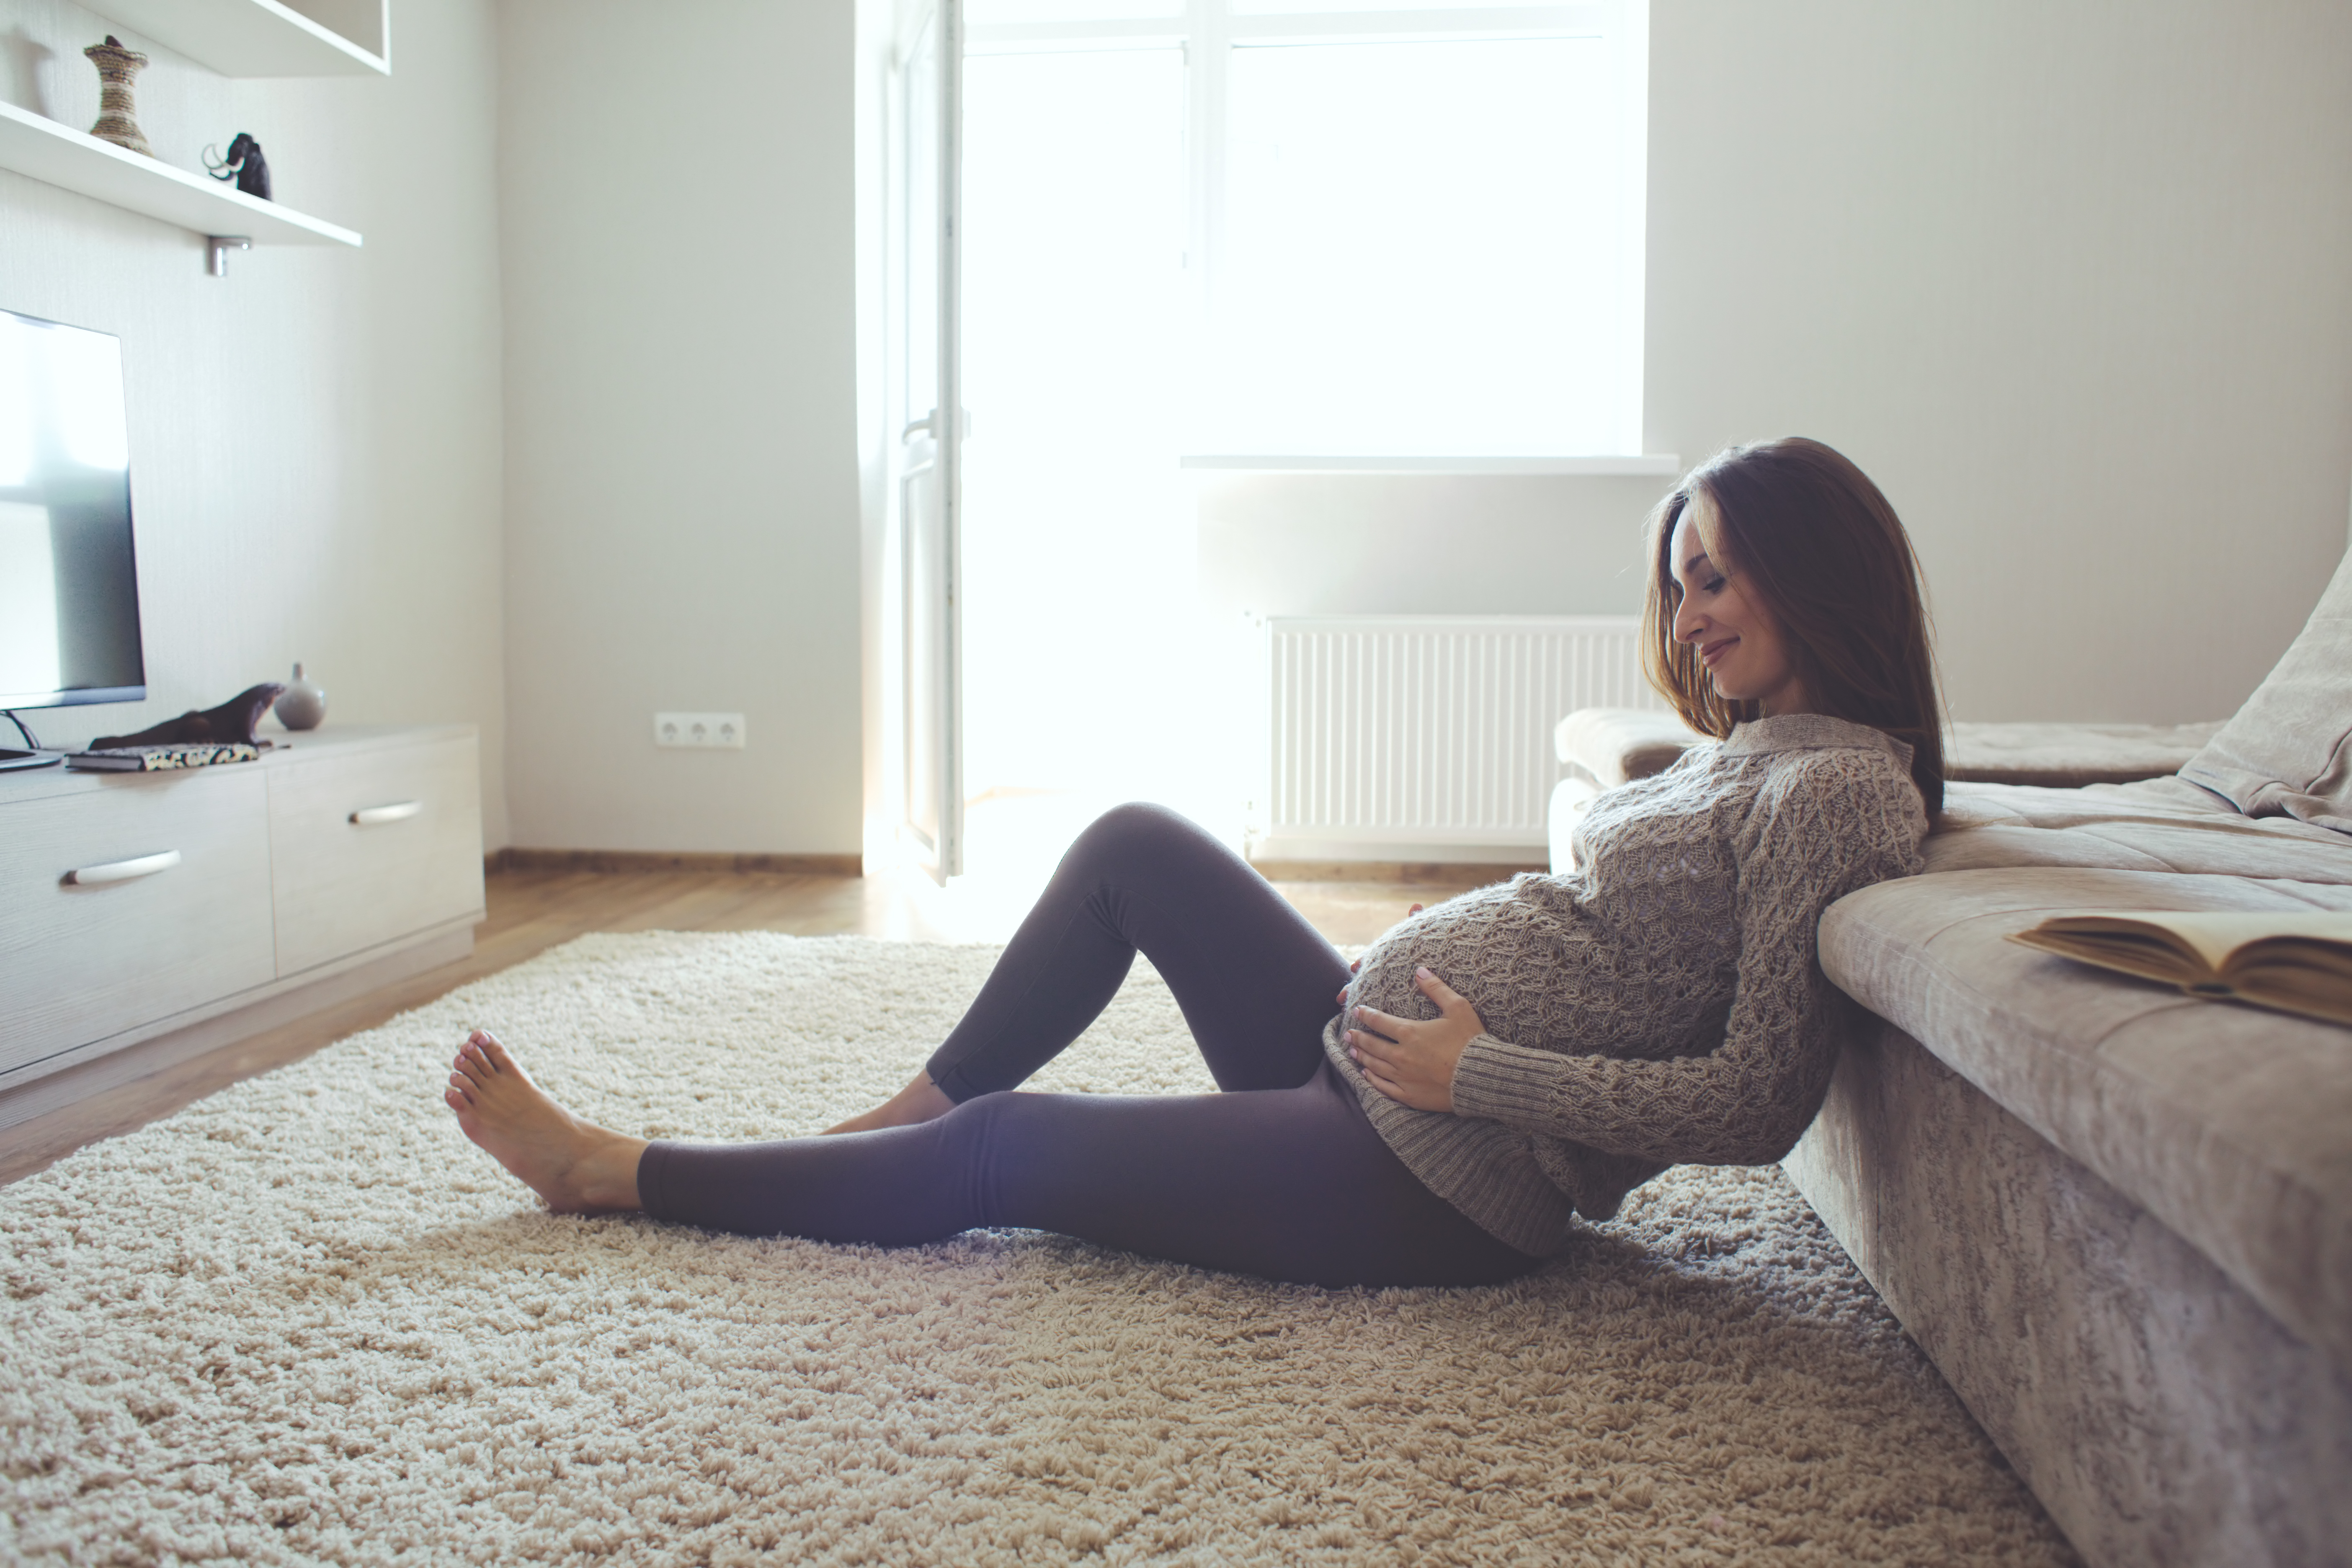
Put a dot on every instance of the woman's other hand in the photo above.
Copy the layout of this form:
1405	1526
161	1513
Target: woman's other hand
1356	963
1411	1061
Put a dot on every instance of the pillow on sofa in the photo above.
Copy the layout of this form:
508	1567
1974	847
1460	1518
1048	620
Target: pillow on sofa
2289	750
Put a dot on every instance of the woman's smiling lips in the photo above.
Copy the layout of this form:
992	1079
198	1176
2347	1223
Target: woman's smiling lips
1709	652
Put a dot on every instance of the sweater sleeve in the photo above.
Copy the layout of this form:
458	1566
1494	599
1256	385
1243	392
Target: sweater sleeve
1838	821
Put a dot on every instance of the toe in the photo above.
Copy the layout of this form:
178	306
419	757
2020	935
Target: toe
493	1052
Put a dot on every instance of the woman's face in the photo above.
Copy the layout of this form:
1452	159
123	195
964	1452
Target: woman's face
1737	637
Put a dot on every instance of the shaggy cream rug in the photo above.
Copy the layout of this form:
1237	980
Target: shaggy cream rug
306	1322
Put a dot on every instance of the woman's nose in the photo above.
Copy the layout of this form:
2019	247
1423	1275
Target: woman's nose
1687	624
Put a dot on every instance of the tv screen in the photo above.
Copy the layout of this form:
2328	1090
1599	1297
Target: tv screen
69	585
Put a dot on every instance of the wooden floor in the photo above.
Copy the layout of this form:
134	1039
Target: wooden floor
533	911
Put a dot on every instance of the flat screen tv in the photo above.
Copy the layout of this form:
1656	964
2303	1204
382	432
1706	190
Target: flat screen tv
68	583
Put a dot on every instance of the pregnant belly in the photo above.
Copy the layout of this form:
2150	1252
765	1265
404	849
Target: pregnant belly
1513	964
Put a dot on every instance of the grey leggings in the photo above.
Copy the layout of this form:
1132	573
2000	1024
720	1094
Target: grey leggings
1280	1176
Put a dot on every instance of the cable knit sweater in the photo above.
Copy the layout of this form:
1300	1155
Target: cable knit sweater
1663	1002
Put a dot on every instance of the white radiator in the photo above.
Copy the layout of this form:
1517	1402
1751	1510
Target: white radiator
1420	737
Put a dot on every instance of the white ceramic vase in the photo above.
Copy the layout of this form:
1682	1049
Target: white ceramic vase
301	705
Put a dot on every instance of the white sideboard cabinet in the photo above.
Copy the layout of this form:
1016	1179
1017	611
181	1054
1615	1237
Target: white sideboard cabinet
145	918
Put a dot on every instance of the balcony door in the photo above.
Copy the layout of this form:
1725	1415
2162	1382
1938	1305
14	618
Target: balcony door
926	171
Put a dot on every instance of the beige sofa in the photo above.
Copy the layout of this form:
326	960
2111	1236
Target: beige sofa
2118	1219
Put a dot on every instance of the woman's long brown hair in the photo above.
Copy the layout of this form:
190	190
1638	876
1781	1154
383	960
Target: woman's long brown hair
1806	533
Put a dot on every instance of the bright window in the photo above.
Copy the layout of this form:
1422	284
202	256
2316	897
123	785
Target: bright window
1236	230
1406	228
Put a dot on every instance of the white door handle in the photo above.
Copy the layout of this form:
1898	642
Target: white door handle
928	424
398	811
122	870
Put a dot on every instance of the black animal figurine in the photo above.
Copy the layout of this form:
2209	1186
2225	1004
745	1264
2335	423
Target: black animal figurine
244	165
227	724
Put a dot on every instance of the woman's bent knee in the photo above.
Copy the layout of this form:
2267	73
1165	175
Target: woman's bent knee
1141	833
1137	820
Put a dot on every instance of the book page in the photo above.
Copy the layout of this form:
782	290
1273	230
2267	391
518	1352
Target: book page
2214	934
2131	946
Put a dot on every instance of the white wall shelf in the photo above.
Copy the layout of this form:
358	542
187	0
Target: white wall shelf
62	157
1652	465
266	38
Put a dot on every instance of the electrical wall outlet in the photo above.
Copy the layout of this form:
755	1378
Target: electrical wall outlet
709	730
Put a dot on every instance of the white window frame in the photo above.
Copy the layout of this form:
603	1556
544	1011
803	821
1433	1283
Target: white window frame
1209	30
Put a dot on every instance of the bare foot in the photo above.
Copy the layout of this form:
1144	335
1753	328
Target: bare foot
577	1166
918	1101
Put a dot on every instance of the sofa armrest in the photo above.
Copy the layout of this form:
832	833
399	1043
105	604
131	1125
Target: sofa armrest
1613	745
1570	799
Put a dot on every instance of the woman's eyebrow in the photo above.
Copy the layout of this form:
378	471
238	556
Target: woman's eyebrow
1696	561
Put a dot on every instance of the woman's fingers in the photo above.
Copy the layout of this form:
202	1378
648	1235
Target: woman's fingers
1406	1070
1396	1028
1451	1004
1434	988
1395	1085
1382	1073
1371	1058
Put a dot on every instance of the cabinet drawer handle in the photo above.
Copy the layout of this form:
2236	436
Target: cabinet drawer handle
122	870
375	816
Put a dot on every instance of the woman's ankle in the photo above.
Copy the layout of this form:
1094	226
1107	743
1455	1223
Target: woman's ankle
607	1177
921	1100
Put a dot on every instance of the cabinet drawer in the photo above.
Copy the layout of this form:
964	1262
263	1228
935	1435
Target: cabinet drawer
371	846
80	963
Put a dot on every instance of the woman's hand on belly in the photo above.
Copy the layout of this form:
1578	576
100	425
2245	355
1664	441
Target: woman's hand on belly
1409	1060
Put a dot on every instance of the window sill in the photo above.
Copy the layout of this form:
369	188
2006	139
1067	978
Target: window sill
1653	465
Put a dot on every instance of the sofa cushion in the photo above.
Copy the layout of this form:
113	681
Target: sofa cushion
2289	750
2156	825
2230	1124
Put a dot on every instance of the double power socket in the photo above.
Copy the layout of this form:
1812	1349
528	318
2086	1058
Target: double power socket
708	732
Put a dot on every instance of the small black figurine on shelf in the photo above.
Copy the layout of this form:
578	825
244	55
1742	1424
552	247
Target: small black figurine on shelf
244	165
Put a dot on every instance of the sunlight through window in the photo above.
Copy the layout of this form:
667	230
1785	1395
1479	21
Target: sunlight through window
1420	253
1312	228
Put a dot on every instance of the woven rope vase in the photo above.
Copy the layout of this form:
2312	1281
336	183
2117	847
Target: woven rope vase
117	114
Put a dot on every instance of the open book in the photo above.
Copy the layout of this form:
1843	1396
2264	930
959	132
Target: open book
2294	962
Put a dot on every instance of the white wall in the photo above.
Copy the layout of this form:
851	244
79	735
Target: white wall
315	438
2072	282
682	500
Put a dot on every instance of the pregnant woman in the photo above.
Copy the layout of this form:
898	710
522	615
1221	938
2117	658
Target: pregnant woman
1500	1061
